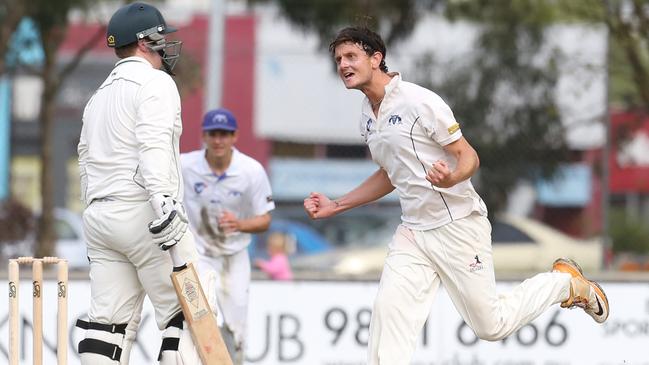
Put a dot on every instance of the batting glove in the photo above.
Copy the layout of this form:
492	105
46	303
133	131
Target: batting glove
170	226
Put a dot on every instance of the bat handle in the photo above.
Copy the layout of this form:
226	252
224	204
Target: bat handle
175	258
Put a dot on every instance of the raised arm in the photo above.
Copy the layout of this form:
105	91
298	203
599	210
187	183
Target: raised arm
374	187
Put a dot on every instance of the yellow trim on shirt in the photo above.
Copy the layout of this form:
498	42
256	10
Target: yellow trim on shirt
454	128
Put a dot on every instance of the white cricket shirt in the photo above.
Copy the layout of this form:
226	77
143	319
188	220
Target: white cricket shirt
413	126
129	143
243	189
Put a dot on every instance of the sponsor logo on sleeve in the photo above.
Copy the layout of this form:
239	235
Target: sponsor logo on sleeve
454	128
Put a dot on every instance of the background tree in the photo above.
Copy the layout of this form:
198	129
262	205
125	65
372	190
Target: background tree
502	95
11	12
395	19
628	25
51	21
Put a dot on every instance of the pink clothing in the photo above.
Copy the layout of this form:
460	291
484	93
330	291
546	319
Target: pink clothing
277	268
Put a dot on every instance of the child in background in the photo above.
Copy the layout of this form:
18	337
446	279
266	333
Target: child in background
277	267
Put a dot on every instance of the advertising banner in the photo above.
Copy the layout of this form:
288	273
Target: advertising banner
326	323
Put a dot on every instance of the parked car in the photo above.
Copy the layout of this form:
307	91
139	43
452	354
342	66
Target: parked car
301	238
70	243
520	245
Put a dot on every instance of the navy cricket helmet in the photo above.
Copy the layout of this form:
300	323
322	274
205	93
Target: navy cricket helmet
133	22
139	21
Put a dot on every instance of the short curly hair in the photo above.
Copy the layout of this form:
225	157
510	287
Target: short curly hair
369	40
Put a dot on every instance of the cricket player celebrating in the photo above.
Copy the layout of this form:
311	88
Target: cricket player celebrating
228	197
132	185
445	236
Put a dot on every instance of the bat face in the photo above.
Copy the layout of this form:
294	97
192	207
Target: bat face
199	316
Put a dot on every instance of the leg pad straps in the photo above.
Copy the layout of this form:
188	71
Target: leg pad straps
95	346
171	343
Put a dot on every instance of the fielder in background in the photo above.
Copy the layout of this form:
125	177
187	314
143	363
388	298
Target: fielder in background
228	197
445	236
130	178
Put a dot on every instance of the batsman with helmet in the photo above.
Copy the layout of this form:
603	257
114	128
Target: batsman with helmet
132	185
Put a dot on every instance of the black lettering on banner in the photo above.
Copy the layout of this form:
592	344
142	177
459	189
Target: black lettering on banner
264	353
553	327
628	328
363	317
555	334
424	334
335	320
521	339
291	337
472	338
3	350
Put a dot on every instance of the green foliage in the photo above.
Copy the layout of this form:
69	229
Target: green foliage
51	20
629	234
503	96
394	19
628	25
16	221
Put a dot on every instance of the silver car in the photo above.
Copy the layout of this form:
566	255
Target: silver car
520	245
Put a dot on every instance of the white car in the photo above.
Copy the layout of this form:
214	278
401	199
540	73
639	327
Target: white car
70	243
520	245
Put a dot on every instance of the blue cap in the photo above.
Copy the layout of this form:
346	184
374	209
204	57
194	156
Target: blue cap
219	119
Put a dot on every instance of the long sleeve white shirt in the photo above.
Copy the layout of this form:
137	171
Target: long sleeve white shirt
129	144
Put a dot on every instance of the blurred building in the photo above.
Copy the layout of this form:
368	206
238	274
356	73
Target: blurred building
301	123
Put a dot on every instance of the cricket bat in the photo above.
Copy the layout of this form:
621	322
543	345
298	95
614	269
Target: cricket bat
198	314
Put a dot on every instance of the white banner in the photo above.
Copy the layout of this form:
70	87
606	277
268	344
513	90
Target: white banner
326	323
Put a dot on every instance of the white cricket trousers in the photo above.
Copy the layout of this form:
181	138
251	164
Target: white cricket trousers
232	289
459	256
125	264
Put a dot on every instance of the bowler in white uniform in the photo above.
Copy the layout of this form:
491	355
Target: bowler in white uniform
228	197
445	236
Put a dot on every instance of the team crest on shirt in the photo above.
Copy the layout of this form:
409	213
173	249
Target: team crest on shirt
394	120
368	129
476	265
368	126
199	187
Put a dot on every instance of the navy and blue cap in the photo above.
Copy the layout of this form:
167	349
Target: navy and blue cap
219	119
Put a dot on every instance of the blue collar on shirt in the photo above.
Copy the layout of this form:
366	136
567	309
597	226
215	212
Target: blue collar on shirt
232	170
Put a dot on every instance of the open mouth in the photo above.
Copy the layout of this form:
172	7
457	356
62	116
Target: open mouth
348	75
